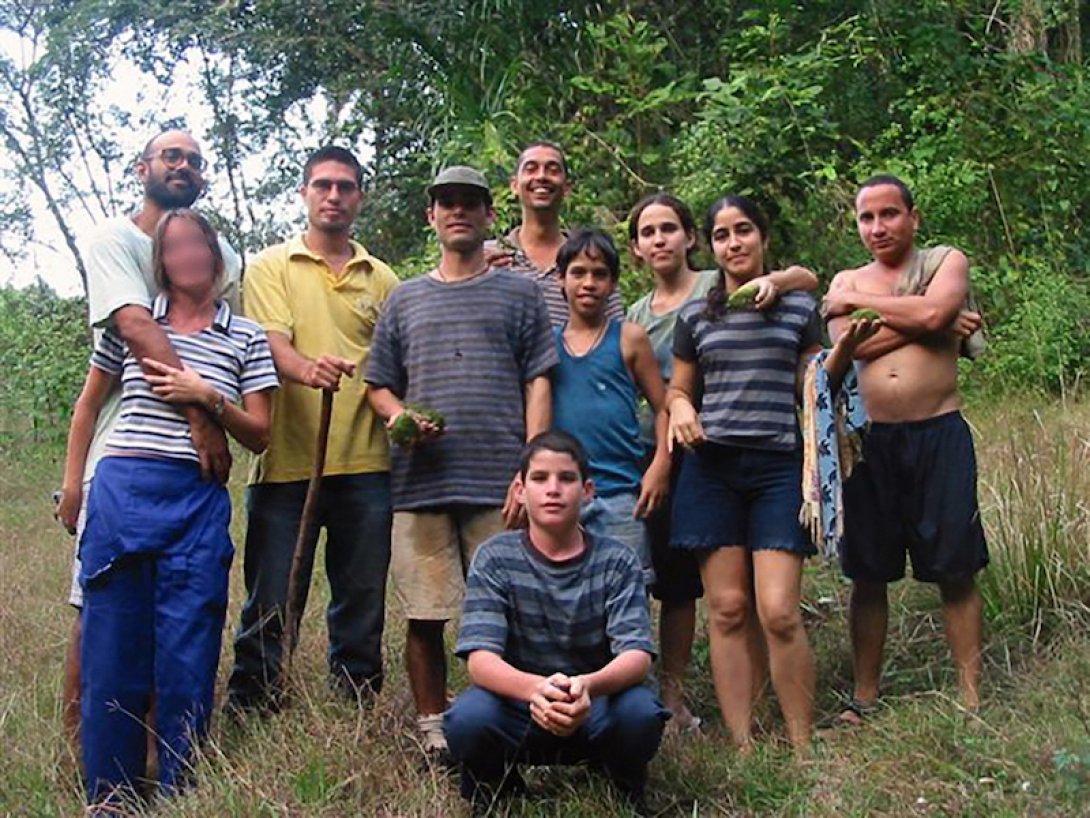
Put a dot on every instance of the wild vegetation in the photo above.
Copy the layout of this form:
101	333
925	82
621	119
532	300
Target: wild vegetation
1027	752
980	106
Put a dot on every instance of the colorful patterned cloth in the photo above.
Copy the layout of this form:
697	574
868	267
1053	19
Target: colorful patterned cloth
832	442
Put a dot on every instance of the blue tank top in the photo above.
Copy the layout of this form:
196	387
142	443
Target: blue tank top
594	400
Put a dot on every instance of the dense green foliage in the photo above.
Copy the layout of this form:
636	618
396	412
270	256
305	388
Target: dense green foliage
44	346
980	106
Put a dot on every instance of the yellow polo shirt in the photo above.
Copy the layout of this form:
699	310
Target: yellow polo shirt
290	290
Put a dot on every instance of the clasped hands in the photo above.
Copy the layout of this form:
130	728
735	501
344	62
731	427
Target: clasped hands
560	704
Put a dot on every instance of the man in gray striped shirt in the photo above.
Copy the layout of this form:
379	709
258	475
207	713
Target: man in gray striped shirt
472	342
557	637
541	181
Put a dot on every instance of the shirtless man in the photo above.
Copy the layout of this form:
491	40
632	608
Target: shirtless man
915	490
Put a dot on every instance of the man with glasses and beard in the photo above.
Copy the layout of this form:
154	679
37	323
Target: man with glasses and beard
120	291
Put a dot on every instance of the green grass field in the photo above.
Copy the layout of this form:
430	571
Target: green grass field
1027	752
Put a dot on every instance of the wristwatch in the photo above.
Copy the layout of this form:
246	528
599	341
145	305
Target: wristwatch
219	406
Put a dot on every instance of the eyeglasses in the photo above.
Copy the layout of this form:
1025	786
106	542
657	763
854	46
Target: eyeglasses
176	157
343	186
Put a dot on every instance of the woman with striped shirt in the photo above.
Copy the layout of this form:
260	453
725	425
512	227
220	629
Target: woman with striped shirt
663	237
739	491
156	550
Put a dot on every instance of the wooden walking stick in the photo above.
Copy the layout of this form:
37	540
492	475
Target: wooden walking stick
304	550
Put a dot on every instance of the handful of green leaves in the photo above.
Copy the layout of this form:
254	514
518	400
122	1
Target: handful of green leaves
405	431
865	314
744	297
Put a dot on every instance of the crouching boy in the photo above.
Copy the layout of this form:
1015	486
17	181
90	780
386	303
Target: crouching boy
557	636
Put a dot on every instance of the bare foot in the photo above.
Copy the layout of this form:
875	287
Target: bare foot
682	721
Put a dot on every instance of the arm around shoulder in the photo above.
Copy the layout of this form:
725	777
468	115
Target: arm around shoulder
794	278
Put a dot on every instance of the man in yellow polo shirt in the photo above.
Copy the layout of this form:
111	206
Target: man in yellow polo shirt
318	296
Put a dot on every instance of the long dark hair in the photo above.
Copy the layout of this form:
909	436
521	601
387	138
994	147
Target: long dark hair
717	296
684	215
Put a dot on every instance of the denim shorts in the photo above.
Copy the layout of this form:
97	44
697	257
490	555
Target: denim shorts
613	517
731	495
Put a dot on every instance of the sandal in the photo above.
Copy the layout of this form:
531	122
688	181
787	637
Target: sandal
855	713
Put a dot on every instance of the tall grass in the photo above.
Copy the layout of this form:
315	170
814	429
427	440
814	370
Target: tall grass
1027	752
1035	498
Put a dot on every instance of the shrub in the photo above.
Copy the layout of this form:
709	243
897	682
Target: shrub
44	346
1041	337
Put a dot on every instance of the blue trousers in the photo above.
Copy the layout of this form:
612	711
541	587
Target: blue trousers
488	735
156	558
355	511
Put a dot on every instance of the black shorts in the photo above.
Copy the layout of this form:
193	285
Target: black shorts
677	572
914	491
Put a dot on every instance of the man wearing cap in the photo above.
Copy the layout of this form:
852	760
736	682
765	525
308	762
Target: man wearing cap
319	296
473	343
540	183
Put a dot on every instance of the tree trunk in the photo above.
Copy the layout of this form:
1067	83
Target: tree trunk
1070	34
1028	32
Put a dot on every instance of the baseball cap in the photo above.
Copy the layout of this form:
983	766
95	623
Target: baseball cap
461	176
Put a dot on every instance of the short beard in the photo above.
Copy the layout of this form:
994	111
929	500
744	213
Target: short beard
163	195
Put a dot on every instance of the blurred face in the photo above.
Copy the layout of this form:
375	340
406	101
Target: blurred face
661	242
461	218
587	285
737	244
187	259
553	491
171	170
540	183
332	197
886	225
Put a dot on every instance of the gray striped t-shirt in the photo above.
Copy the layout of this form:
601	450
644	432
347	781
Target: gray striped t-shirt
466	349
232	355
748	361
544	616
547	280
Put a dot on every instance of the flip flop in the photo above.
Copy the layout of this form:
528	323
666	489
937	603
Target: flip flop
855	713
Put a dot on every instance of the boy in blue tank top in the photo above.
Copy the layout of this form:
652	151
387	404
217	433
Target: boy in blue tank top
605	366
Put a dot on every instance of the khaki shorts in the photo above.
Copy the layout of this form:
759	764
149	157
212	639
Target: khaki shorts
430	554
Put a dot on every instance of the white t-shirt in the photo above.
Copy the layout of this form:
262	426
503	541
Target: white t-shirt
117	258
